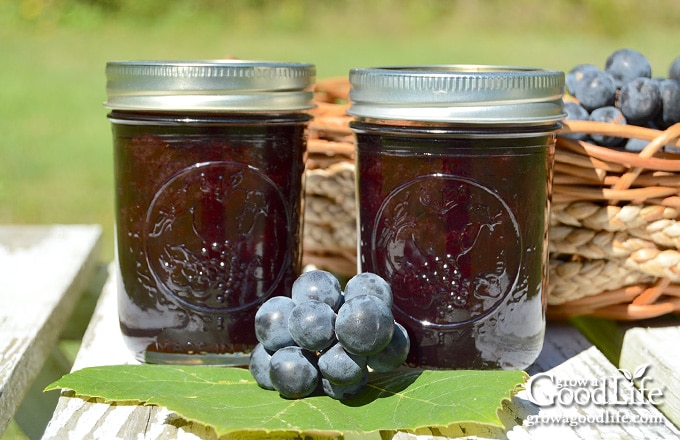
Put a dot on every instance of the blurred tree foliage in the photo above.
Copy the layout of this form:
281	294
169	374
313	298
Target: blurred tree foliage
605	17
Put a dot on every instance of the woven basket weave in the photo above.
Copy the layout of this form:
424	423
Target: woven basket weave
615	220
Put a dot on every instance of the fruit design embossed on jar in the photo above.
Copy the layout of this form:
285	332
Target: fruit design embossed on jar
454	168
202	225
209	159
442	225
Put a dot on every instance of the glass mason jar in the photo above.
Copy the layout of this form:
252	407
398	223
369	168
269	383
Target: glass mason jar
209	161
454	175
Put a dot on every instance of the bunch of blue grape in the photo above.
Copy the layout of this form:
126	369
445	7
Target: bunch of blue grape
624	92
324	340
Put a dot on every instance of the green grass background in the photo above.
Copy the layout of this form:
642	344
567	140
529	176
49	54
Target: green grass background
55	140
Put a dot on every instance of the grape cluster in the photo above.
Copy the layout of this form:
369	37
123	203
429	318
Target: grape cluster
322	338
624	92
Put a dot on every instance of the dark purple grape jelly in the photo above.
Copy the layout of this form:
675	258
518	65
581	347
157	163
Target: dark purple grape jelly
208	227
208	216
460	234
454	176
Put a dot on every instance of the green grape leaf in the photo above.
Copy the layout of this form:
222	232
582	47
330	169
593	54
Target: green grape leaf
229	399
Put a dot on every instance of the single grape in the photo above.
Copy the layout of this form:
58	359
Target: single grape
312	325
341	367
674	70
259	366
271	323
575	76
317	285
367	283
364	325
607	114
293	372
627	64
575	112
671	149
635	145
343	392
639	101
670	103
657	80
392	356
596	89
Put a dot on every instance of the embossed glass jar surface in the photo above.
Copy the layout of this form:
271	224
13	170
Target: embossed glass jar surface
208	210
453	212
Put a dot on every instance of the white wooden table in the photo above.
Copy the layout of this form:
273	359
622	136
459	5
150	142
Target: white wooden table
568	359
567	356
43	271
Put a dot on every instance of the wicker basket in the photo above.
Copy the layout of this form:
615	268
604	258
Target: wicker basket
330	238
615	221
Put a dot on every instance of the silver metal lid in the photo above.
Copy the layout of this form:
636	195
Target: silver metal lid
474	94
210	85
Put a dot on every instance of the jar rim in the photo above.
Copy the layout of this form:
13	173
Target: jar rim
209	85
466	93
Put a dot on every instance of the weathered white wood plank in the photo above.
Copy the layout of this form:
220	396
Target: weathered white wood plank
102	342
659	347
79	419
566	355
43	270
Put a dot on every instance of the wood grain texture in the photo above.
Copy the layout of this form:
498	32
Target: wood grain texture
659	347
43	271
566	355
581	361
